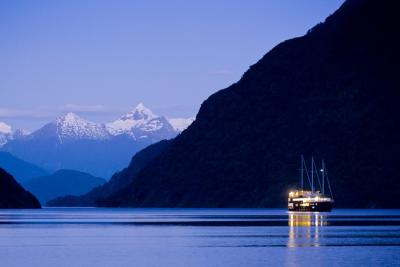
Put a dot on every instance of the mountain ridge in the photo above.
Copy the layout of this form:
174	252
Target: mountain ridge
71	142
134	123
331	93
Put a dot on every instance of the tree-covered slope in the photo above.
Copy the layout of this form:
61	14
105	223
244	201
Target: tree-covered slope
333	93
14	196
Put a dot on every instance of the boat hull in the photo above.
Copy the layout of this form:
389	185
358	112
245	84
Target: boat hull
311	206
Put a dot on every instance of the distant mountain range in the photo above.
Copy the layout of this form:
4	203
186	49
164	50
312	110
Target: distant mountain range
71	142
61	183
140	123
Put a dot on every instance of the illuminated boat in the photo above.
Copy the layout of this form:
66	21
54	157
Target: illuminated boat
311	200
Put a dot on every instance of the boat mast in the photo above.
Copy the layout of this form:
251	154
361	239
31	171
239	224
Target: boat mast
302	173
323	177
312	174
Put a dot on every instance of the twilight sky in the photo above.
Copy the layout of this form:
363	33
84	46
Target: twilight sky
99	58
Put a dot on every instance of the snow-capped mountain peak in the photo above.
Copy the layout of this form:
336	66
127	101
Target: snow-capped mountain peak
71	119
71	126
140	112
140	116
140	123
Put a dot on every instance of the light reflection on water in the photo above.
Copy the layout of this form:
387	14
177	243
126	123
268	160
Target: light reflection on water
307	226
307	219
197	237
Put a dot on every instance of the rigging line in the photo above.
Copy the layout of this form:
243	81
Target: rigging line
329	184
302	173
305	168
316	171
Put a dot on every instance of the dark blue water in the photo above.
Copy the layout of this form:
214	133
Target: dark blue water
198	237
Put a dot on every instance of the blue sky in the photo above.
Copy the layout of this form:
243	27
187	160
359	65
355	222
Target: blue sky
100	58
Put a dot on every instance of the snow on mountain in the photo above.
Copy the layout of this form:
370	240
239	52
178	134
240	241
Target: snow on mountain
71	142
5	133
140	113
71	126
137	118
141	122
180	124
4	138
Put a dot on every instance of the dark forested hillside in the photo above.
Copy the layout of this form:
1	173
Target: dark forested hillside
118	181
14	196
333	93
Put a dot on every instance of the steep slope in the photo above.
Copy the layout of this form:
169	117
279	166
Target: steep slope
332	93
23	171
13	196
61	183
117	181
180	124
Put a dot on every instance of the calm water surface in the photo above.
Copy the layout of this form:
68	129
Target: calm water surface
198	237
